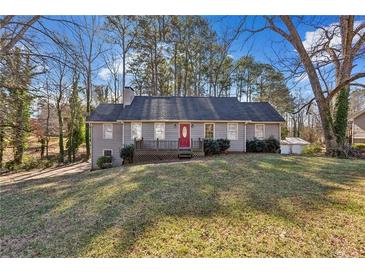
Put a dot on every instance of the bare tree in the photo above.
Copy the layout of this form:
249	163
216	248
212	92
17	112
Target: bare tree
124	30
91	48
321	56
14	30
60	86
112	64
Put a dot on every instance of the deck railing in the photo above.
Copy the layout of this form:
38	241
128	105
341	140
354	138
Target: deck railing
167	145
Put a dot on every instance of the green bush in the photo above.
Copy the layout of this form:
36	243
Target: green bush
359	146
270	145
10	165
104	162
28	164
127	153
223	144
211	147
35	163
312	149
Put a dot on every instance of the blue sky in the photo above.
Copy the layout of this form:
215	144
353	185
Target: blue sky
261	44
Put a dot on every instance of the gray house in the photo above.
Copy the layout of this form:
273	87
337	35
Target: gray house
357	128
170	124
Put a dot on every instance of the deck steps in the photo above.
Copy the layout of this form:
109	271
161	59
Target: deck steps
185	153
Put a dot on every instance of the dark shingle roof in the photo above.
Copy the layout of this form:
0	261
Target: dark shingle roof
187	108
106	113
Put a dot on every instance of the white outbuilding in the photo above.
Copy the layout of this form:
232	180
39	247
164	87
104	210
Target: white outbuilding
293	145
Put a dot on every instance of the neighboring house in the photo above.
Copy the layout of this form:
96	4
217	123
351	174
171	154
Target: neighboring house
357	127
178	123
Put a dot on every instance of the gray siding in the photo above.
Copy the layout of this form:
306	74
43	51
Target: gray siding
127	134
197	131
360	121
359	129
240	143
220	131
270	130
148	131
236	145
99	144
250	132
171	131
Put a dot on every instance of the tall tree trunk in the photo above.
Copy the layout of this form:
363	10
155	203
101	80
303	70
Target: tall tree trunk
47	124
155	68
88	110
61	157
19	129
2	145
175	70
323	106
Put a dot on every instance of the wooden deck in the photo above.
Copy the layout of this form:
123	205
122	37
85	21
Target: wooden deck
159	150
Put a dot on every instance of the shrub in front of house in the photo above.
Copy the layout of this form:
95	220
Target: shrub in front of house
270	145
224	144
218	146
104	162
126	153
211	147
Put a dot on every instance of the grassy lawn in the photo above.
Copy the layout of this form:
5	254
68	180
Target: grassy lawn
228	206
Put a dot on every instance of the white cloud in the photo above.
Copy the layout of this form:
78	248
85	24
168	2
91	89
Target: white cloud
105	74
318	37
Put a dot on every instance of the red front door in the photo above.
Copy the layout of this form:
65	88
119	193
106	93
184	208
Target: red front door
184	135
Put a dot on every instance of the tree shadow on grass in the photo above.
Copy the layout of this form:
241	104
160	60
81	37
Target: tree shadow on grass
295	191
104	213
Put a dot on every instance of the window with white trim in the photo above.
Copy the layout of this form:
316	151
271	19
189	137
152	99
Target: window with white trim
209	131
107	152
232	131
260	131
107	131
160	131
136	131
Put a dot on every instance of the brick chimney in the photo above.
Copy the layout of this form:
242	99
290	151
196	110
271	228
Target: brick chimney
128	96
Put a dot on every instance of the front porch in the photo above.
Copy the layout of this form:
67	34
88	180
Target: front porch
158	150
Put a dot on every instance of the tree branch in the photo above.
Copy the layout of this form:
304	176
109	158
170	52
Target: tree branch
345	83
19	35
308	104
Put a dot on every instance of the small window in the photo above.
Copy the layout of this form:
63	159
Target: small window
232	131
160	131
108	153
260	131
209	131
108	131
136	131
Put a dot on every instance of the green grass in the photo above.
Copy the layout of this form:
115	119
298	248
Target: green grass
228	206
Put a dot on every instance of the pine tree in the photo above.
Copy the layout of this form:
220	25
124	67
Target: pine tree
75	125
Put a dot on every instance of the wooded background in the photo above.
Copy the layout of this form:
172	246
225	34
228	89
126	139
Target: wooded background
55	69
